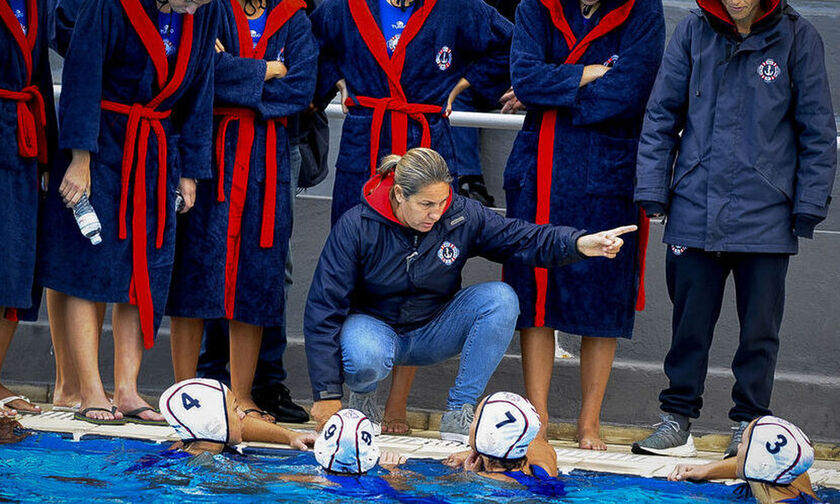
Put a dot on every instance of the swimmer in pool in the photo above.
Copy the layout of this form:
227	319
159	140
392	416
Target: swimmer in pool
504	445
206	416
773	458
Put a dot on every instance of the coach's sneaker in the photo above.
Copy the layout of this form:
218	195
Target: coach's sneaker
737	434
671	437
366	403
455	424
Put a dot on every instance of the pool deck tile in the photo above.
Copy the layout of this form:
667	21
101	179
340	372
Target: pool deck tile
426	444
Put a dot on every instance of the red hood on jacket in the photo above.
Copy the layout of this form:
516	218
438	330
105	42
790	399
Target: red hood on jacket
377	194
717	9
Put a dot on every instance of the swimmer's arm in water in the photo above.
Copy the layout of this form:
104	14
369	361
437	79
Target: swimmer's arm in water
457	459
307	478
724	469
541	454
256	429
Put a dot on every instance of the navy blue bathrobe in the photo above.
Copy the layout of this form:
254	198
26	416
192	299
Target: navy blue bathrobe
221	271
25	63
107	60
459	38
594	153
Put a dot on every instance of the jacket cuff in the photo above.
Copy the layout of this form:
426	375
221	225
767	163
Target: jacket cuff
804	224
577	255
652	208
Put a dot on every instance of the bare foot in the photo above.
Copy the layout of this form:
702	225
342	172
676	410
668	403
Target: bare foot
590	439
134	403
7	413
103	411
21	405
395	426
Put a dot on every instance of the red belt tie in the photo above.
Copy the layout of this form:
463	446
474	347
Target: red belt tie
239	187
400	112
32	122
141	122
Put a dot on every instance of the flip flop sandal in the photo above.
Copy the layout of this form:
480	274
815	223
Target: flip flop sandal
82	417
134	417
393	423
5	401
261	413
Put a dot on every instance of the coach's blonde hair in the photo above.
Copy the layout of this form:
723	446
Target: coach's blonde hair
416	169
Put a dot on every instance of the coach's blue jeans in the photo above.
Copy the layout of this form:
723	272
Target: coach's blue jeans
478	324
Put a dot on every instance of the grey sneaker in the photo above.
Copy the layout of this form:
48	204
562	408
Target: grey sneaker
455	424
669	438
737	434
366	403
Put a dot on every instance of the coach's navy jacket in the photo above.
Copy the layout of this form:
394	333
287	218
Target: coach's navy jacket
758	150
374	265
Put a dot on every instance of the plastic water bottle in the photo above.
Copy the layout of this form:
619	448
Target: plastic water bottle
87	220
180	204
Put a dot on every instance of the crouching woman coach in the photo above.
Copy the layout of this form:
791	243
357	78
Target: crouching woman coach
387	290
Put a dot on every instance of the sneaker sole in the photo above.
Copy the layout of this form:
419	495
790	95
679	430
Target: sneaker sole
685	450
452	436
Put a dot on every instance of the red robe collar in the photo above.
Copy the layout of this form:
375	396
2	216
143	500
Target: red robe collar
377	194
26	42
276	19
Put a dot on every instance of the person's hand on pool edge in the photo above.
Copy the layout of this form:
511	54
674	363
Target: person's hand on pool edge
688	472
457	459
390	458
323	410
604	244
303	441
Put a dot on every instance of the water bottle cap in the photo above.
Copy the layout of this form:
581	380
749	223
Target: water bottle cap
96	239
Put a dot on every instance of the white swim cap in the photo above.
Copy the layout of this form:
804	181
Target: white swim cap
777	451
346	443
196	409
506	426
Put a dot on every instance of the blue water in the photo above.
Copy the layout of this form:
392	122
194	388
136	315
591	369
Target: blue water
51	468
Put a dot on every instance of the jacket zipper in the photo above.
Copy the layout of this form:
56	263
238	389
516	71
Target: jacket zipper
412	256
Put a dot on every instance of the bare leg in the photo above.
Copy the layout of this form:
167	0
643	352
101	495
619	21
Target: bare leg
185	341
7	332
396	408
537	363
245	342
128	353
596	358
82	331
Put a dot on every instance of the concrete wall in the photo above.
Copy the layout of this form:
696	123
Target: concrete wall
808	375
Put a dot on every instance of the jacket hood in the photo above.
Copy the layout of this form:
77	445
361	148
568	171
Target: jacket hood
377	194
720	20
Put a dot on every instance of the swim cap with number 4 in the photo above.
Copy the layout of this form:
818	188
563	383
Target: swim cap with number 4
196	409
346	444
777	451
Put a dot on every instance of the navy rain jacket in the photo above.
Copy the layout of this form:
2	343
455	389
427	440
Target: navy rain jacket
758	149
374	265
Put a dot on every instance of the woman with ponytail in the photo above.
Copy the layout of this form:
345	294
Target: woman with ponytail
387	290
233	244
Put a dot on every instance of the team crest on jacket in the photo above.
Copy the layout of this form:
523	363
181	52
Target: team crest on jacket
678	250
448	252
444	58
769	70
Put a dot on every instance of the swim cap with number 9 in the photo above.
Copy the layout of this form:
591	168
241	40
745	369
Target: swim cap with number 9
346	444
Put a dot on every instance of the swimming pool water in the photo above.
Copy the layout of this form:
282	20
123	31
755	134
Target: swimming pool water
52	468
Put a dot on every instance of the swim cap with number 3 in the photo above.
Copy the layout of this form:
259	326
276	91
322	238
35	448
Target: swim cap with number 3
776	452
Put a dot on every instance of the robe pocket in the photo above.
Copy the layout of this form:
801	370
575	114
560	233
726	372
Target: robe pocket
780	182
681	172
354	150
612	167
522	162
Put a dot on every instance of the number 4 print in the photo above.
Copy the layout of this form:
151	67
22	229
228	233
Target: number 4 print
189	402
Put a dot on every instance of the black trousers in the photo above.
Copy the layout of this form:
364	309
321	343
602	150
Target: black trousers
696	282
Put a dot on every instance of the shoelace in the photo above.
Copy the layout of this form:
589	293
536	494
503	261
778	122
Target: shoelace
368	406
667	423
466	417
738	433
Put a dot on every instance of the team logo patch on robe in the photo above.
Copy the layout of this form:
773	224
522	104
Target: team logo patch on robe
393	41
444	58
769	70
678	250
448	252
281	56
